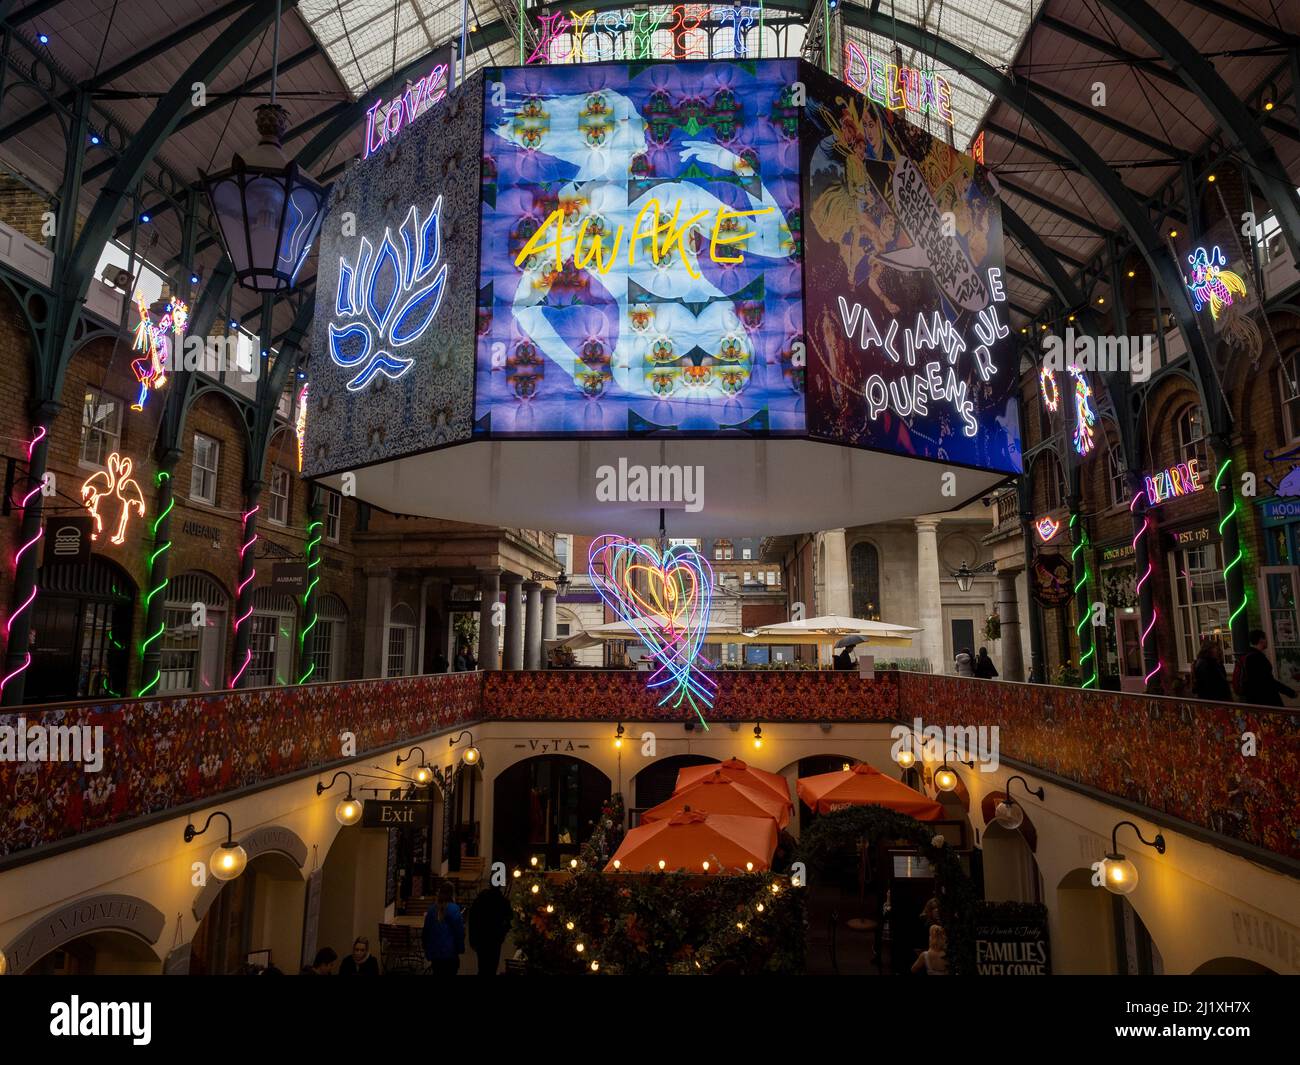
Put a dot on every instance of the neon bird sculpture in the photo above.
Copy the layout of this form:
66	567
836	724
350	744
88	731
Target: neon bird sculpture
1084	416
114	482
157	342
1210	283
665	598
377	291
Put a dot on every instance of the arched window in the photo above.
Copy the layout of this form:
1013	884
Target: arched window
1288	390
328	637
1119	495
400	644
193	655
1191	437
272	638
864	568
1052	475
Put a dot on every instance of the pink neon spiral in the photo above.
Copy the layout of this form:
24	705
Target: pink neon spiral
40	433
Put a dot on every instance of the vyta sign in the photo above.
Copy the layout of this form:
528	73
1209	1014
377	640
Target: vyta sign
1181	480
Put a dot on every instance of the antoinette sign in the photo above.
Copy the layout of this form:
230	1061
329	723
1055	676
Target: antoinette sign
1011	939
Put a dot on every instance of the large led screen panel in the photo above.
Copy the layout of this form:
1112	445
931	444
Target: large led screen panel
909	344
640	259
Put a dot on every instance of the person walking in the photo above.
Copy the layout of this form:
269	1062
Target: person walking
444	934
360	962
965	663
984	666
1255	682
489	921
1209	678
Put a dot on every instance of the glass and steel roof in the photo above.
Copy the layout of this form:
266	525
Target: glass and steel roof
369	39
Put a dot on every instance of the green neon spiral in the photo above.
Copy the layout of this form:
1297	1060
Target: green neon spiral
313	560
157	586
1241	555
1082	584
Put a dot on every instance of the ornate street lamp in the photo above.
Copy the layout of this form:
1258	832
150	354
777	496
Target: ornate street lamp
1009	813
268	211
561	579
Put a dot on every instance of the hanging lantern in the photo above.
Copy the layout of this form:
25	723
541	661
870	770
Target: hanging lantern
268	212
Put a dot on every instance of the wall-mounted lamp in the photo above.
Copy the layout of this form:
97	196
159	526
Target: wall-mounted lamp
618	737
470	755
348	810
423	774
561	579
965	576
229	859
1009	813
945	777
758	736
1118	873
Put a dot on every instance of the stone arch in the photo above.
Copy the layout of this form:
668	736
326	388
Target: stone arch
95	914
1229	966
269	839
654	782
546	805
1011	872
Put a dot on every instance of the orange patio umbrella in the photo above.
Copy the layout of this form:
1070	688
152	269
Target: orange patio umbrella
741	772
690	838
720	794
864	786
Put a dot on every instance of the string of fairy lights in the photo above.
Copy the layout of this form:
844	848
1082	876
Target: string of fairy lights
537	901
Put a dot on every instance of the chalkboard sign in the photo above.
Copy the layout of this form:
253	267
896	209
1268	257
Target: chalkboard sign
1011	939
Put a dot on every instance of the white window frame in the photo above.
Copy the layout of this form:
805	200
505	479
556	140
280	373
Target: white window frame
1189	616
197	496
333	515
278	511
1192	447
112	440
1115	478
1290	404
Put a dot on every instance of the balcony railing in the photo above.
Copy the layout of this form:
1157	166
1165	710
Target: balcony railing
1175	758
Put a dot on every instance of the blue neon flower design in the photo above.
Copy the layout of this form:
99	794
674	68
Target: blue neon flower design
376	293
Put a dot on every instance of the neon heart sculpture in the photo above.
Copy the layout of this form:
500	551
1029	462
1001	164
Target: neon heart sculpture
666	600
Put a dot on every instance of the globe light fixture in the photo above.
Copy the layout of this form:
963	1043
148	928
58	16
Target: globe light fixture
758	736
1119	875
618	737
424	772
348	810
1009	813
471	754
945	779
229	859
905	758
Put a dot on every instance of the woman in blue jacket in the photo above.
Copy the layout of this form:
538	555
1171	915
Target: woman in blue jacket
444	934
